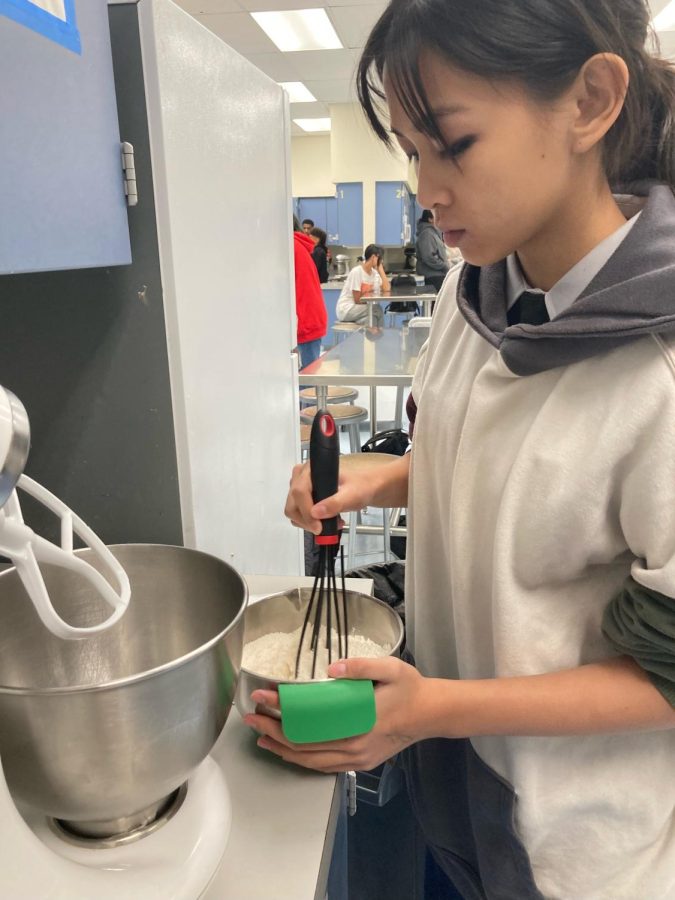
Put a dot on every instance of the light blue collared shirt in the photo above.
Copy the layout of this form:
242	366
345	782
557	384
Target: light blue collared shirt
565	291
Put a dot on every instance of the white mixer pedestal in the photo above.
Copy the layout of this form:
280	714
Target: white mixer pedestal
176	862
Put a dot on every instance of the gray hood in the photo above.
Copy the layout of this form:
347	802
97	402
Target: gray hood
632	295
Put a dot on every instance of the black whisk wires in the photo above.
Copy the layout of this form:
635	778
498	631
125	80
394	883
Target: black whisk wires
327	605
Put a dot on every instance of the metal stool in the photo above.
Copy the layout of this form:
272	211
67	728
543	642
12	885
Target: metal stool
305	432
367	461
342	329
345	416
336	394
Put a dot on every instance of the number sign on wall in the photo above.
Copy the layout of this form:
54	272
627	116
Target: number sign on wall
55	19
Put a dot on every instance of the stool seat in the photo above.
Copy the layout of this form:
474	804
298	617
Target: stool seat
347	326
305	432
336	394
345	416
343	413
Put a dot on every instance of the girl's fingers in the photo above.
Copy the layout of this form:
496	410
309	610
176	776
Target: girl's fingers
270	699
321	761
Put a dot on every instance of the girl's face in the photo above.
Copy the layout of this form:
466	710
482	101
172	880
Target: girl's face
507	175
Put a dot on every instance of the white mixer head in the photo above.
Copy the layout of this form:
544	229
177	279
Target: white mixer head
25	548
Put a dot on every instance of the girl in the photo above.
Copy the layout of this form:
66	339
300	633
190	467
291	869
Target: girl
537	730
320	253
366	278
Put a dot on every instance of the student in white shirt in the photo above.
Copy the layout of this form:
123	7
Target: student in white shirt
366	278
537	728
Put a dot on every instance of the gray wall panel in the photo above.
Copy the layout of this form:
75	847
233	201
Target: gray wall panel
86	352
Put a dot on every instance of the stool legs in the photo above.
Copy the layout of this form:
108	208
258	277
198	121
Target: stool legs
398	416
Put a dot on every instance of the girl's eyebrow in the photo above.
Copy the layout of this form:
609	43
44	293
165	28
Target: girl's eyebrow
440	113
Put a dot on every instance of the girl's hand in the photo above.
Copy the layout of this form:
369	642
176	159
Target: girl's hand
399	698
354	492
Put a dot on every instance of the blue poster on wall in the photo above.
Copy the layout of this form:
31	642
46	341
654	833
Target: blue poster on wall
55	19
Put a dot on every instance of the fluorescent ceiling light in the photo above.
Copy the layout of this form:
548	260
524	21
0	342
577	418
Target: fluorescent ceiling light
313	124
299	29
297	92
665	21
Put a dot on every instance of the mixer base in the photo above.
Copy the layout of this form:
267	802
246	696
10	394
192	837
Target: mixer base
174	862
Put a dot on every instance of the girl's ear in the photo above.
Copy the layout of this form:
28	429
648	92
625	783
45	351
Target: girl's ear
599	92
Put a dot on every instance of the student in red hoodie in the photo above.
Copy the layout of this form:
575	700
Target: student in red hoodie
310	308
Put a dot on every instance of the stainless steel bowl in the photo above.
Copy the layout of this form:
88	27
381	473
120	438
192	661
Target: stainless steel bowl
285	612
100	731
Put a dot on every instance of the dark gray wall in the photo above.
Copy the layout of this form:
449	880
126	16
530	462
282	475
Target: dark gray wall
86	352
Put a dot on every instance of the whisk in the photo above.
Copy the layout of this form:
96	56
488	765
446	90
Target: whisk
327	605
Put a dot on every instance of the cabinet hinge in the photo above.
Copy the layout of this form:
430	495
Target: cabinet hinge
129	169
351	793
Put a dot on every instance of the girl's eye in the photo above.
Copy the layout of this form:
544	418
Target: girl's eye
454	151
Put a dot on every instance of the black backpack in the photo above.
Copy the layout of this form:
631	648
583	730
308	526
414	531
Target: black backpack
393	441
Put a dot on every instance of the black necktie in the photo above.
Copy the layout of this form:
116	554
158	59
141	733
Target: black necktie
529	309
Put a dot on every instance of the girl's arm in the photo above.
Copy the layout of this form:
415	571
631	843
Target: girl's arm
385	486
608	697
611	696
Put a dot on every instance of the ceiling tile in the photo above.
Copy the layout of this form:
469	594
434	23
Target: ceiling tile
354	23
278	66
238	30
333	91
209	6
321	65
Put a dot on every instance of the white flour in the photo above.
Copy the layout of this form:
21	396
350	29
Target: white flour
273	655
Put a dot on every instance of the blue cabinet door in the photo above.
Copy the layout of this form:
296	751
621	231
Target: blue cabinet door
313	208
330	298
61	184
389	205
332	224
350	214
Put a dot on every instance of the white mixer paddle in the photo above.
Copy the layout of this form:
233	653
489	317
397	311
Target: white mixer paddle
25	548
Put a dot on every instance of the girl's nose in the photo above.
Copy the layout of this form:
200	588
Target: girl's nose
432	186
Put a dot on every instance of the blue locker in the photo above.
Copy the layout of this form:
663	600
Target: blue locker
389	205
333	227
313	208
350	214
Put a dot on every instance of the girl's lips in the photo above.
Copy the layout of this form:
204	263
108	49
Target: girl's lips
452	238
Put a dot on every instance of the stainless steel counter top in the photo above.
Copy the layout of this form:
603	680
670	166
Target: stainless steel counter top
283	817
386	356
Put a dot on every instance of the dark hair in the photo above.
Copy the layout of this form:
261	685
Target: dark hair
321	235
373	250
541	44
427	216
308	222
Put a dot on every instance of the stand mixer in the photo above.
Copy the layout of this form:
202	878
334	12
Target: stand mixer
107	790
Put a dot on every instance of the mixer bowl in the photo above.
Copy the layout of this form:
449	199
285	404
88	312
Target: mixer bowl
285	612
99	732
